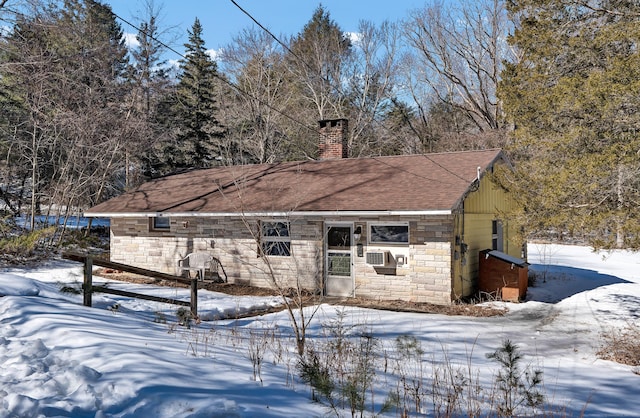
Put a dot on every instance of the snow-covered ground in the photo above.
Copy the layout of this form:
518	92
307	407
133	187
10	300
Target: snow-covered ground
61	359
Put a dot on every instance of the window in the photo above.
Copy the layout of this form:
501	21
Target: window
339	238
159	223
389	234
274	238
496	235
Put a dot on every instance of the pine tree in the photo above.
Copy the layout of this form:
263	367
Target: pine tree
150	84
573	100
150	72
316	69
90	45
198	133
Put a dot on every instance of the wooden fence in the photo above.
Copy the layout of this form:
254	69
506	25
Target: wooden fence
88	288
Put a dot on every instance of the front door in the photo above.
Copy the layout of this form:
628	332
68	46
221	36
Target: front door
338	260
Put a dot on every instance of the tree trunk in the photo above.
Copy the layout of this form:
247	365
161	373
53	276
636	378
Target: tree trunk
619	221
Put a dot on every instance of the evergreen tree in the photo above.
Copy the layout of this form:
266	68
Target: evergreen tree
198	133
150	72
315	77
90	45
573	101
150	84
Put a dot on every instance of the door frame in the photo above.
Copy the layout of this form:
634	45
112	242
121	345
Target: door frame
351	252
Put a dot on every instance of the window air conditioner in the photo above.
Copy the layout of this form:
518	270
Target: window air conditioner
378	258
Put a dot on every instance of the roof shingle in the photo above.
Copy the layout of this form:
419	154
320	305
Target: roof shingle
427	182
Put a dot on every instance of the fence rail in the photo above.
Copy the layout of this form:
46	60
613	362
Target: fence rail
88	287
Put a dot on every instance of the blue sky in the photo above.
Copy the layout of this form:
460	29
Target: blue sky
222	20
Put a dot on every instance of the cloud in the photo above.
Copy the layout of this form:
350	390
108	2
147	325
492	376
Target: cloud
131	41
214	54
354	37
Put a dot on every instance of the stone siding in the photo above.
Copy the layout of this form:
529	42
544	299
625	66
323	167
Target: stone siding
232	241
426	276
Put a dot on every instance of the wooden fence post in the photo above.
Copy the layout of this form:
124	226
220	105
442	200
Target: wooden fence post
194	298
88	280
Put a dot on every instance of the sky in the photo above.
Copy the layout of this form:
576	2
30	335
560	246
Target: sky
221	20
127	358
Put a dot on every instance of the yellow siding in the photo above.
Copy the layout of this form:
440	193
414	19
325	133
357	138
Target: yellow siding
474	227
489	198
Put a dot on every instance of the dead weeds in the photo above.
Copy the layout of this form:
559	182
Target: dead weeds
622	346
463	309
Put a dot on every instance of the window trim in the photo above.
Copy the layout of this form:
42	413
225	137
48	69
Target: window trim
370	234
153	226
271	239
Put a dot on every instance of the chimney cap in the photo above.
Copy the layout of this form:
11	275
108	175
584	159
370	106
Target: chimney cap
333	139
331	122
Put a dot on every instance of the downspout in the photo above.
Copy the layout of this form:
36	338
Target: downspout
463	254
458	249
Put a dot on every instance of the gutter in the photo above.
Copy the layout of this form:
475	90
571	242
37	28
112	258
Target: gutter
440	212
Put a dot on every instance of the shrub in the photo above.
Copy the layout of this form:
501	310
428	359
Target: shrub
77	238
184	317
516	388
315	372
159	317
342	369
26	243
73	289
622	346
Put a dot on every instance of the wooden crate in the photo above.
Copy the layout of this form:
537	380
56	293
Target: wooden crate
503	276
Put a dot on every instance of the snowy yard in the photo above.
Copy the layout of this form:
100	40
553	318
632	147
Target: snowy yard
61	359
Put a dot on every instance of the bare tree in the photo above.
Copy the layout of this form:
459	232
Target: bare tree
62	91
461	51
371	69
27	94
254	63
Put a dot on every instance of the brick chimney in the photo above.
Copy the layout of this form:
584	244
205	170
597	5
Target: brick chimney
333	139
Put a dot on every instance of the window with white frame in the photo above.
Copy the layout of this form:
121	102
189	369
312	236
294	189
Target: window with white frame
389	233
275	238
159	223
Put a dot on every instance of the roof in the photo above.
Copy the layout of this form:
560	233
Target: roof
426	183
507	258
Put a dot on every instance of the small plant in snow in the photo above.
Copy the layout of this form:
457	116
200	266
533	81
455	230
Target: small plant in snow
159	318
516	388
258	343
342	369
409	367
315	372
546	252
184	317
74	288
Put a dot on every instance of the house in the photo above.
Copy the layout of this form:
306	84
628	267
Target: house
400	227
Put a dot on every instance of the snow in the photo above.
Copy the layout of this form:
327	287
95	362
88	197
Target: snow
61	359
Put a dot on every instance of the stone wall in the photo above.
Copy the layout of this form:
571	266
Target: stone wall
232	241
426	276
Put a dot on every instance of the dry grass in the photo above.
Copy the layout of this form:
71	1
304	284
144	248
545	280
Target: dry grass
464	309
622	346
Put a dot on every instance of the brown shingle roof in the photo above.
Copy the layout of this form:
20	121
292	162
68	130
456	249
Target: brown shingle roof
429	182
